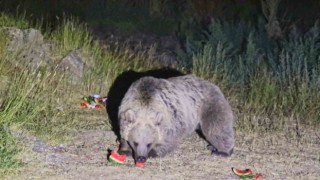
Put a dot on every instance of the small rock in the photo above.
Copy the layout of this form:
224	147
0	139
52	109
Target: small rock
15	37
167	60
60	148
32	36
59	108
74	64
29	46
39	146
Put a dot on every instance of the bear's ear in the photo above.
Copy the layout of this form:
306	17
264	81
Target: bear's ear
159	118
128	115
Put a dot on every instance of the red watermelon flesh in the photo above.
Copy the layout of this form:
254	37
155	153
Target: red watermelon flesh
116	157
242	173
258	177
139	164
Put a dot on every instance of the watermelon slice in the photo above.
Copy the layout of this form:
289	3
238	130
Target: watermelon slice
247	173
258	177
116	158
139	164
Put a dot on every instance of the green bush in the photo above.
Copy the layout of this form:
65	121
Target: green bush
265	76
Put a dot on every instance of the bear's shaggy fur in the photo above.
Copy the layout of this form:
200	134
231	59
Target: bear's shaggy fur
121	85
156	114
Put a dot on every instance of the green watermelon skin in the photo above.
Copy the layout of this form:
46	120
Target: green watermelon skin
247	173
116	158
115	161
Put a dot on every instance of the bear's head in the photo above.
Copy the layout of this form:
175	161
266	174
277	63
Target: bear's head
141	129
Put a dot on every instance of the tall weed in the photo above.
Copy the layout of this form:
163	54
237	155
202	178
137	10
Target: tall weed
269	78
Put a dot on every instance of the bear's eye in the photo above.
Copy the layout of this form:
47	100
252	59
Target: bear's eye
149	145
135	144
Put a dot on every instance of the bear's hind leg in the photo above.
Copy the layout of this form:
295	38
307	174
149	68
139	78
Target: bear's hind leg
217	127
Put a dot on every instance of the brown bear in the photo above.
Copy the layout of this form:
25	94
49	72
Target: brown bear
120	87
156	114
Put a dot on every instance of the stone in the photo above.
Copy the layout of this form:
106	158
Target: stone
73	64
39	146
28	46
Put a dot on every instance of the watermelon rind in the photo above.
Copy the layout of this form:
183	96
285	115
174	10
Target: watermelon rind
116	157
247	174
114	160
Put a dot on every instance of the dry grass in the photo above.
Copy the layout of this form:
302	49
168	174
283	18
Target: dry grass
276	156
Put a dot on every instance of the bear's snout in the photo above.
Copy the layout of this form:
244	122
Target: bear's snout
141	159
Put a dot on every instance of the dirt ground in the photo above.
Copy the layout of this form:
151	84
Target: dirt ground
276	156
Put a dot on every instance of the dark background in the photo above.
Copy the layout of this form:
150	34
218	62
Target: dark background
160	16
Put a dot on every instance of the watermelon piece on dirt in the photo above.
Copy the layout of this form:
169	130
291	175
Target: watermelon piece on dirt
116	158
139	164
247	173
258	177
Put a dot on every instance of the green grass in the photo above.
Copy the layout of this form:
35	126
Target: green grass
8	150
14	21
30	97
263	78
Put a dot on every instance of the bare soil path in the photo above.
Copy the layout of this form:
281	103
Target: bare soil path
275	156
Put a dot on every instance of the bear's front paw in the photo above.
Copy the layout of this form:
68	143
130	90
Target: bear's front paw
215	151
125	152
153	153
